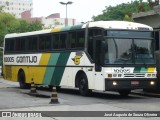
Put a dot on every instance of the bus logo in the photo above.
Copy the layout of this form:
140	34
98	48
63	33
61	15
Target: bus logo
76	60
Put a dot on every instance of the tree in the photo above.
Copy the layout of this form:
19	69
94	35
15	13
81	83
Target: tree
1	8
120	11
127	18
9	24
24	26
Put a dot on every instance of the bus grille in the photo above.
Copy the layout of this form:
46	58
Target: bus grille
8	72
134	75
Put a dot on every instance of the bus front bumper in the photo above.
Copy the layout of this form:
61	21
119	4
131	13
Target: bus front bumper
134	83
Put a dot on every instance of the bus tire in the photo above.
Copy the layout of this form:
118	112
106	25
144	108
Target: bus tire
124	93
83	85
22	79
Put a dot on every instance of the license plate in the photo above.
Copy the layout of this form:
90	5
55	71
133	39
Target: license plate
135	82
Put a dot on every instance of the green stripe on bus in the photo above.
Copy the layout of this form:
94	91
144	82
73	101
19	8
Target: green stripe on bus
143	70
76	27
50	70
139	70
58	72
66	28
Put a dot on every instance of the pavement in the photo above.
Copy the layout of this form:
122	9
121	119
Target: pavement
146	93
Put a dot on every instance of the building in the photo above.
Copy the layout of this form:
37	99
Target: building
151	18
16	7
57	22
27	15
23	9
50	21
54	20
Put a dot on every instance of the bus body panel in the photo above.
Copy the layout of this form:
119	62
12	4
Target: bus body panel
51	68
129	77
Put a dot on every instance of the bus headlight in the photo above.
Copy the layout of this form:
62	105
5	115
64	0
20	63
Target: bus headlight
114	83
152	82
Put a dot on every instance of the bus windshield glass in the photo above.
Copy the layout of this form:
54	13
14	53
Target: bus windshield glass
128	50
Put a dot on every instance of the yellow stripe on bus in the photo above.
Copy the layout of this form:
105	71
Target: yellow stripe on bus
44	61
37	73
56	30
150	70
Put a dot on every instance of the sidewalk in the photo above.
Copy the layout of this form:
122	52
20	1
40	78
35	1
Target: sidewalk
7	83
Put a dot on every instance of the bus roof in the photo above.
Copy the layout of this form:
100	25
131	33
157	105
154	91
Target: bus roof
119	25
101	24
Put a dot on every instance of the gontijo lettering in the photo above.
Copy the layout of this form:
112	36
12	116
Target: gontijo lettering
26	59
21	59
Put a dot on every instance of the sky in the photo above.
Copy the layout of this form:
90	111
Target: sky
81	10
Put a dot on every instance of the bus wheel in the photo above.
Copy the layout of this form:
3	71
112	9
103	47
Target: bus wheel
21	80
124	93
83	85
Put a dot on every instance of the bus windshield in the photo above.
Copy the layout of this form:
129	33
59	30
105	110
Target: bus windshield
128	50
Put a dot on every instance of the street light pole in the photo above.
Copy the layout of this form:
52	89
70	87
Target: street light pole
67	3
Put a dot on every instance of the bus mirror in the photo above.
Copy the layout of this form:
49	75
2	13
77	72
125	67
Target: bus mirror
98	52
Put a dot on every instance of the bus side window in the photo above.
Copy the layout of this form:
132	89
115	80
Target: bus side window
48	42
31	43
55	41
9	44
28	43
35	43
12	45
62	40
41	42
80	39
18	44
22	44
72	40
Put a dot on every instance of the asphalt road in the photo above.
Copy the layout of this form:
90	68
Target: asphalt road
13	98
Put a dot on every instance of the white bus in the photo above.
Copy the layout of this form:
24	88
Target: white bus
103	55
